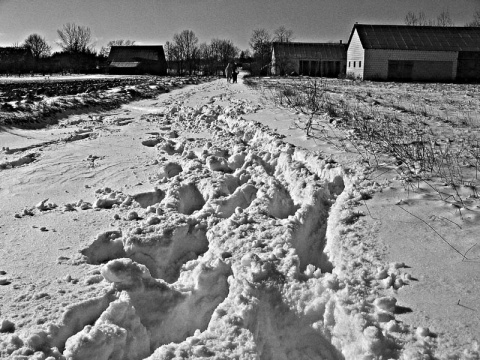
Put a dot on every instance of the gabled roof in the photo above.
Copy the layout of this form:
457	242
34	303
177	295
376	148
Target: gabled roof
310	50
425	38
136	53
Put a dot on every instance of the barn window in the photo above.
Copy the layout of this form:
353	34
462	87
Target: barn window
354	63
359	64
349	64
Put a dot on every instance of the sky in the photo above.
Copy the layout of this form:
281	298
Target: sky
150	22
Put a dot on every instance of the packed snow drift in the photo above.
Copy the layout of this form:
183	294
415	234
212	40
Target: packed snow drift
239	245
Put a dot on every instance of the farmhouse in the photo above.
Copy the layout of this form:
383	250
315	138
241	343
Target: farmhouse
418	53
312	59
138	59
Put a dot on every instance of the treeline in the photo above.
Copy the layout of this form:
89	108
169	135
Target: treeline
443	19
184	54
34	54
18	60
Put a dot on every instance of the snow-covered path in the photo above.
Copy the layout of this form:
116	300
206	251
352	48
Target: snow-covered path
194	226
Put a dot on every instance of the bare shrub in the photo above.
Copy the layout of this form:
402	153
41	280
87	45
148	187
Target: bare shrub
416	151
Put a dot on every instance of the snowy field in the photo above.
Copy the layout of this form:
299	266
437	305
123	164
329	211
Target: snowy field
202	223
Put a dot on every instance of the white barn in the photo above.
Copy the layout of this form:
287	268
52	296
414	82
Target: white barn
414	53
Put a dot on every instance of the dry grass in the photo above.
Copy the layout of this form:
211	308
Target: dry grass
421	131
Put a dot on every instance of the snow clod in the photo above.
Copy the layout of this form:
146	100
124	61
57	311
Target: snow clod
387	303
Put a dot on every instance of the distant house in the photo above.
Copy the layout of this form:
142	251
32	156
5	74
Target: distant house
137	59
312	59
416	53
15	60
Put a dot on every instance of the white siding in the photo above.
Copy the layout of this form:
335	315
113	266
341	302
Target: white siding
376	61
355	56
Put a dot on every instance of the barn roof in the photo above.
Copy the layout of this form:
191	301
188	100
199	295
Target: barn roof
125	64
135	53
425	38
310	50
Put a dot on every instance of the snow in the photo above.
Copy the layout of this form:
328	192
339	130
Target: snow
207	233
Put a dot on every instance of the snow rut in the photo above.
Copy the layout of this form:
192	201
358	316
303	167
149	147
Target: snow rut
207	263
26	159
272	325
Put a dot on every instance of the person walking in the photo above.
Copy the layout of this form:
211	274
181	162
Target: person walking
234	74
228	72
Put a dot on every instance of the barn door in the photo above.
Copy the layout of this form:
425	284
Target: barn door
400	69
468	67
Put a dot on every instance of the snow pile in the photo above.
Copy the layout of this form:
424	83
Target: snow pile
247	248
148	311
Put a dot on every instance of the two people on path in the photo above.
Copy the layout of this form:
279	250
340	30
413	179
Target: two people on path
231	72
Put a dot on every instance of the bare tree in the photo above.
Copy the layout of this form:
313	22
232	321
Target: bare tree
444	19
225	51
282	34
418	20
172	54
75	38
37	45
186	44
208	58
476	20
105	50
261	44
423	21
245	54
411	19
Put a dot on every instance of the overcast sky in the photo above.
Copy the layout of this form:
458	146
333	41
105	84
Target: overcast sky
155	21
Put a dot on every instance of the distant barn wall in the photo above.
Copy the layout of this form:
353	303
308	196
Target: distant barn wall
417	53
311	59
410	65
137	60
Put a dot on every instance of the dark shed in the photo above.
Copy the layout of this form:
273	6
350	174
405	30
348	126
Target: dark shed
15	60
313	59
137	59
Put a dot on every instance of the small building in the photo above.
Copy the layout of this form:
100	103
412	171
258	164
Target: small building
414	53
65	62
14	60
311	59
137	59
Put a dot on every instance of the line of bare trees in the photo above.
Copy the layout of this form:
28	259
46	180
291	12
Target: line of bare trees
35	54
186	56
443	19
